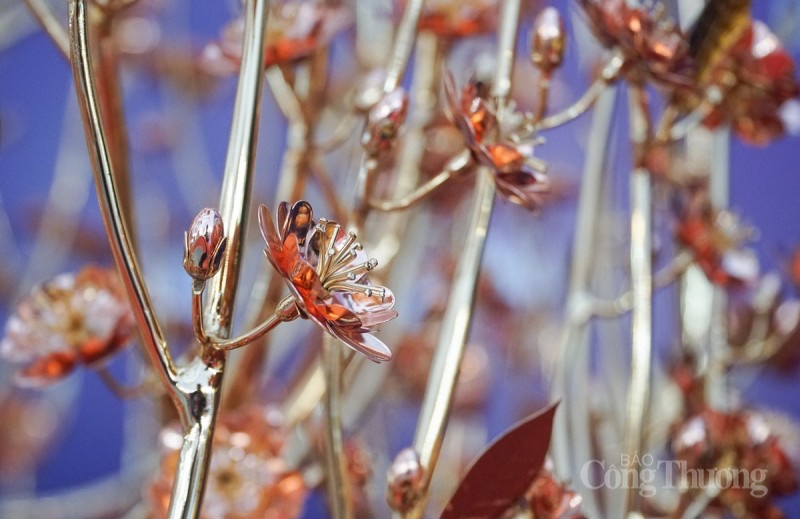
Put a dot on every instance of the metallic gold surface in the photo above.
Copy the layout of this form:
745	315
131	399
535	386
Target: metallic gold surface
194	389
335	461
437	402
641	251
576	338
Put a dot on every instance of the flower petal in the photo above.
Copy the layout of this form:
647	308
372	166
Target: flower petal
299	220
362	304
273	261
98	349
46	370
267	227
364	343
452	108
523	188
283	219
503	157
338	315
370	319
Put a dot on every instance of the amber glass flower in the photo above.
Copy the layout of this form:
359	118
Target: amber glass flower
295	29
715	237
651	42
759	77
247	479
326	270
72	319
474	115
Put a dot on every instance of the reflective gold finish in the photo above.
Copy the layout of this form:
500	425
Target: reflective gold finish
641	252
438	398
457	165
116	226
335	460
194	389
403	45
446	363
567	447
398	62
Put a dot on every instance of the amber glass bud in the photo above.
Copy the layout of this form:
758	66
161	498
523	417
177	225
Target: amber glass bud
549	40
384	121
205	245
403	480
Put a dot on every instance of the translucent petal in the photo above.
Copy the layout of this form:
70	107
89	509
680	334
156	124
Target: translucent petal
365	343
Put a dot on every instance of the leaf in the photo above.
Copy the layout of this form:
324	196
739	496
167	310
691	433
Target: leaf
505	470
719	27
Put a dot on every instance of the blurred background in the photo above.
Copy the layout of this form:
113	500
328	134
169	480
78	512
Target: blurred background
74	449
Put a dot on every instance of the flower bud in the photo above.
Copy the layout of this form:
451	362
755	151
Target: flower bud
205	245
384	121
549	40
403	480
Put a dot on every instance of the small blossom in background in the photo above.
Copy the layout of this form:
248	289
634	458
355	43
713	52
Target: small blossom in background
70	320
716	239
384	121
759	77
248	479
453	19
651	43
746	441
518	176
295	29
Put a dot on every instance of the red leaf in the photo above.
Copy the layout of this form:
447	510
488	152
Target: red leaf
505	470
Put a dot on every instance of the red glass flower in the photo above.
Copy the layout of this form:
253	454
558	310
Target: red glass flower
715	237
247	479
518	177
295	29
651	42
325	268
72	319
758	76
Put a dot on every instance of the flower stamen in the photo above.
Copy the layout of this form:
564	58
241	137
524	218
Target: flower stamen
367	290
350	274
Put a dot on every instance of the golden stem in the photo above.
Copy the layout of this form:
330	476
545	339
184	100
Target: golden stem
336	473
641	251
113	217
455	166
437	402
